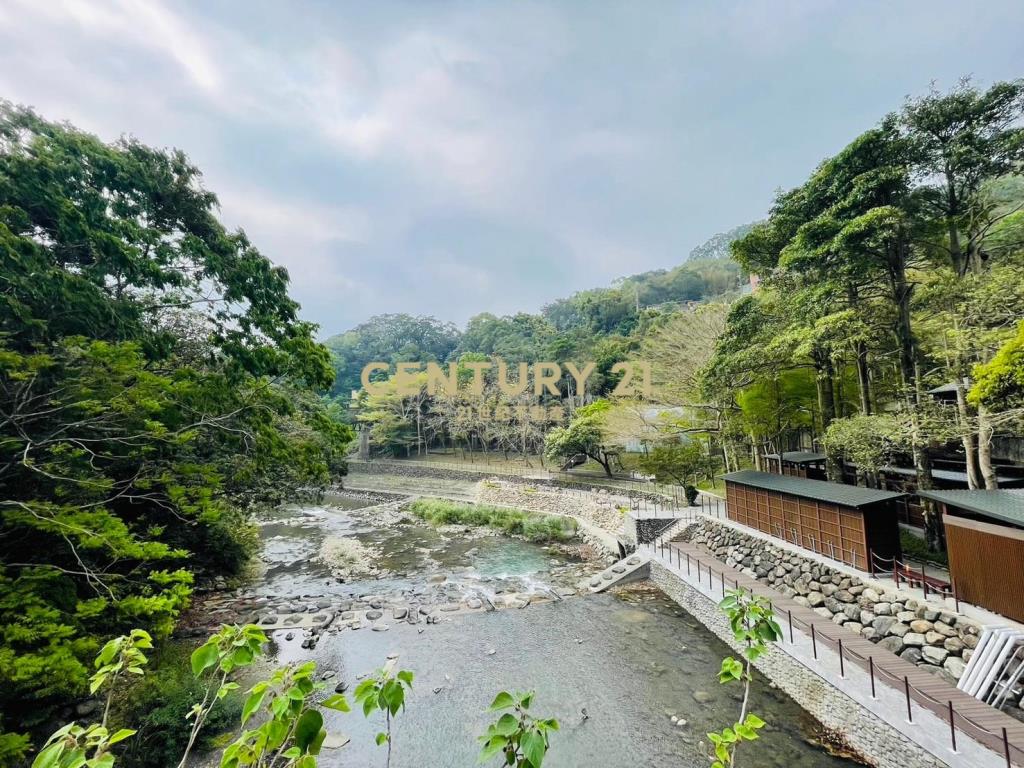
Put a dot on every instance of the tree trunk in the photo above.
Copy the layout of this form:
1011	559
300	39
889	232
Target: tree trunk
988	471
864	378
974	478
603	461
824	385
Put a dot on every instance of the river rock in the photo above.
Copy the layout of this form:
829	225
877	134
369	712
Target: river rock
899	629
954	645
955	666
374	615
913	638
892	643
702	697
913	655
934	655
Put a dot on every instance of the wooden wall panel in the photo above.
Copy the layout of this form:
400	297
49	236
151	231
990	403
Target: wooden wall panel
986	562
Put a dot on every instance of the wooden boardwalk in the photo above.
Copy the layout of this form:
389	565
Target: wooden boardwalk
972	717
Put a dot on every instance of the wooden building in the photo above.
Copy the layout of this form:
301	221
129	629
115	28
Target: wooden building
843	522
807	464
985	543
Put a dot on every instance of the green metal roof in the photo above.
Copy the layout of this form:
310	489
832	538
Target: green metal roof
819	490
1006	505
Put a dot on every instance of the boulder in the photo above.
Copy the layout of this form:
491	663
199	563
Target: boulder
891	643
899	629
954	645
913	638
955	666
882	624
913	655
921	626
934	655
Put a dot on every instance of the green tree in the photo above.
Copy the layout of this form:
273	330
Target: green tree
156	384
586	433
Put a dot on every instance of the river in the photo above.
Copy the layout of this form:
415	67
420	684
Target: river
615	669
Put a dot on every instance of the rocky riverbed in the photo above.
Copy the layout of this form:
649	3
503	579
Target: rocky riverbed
631	677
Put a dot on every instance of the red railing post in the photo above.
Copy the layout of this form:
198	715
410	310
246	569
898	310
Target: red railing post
1006	748
814	641
906	687
924	582
842	669
790	626
871	672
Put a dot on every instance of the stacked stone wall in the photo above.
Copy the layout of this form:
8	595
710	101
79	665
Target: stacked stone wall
933	637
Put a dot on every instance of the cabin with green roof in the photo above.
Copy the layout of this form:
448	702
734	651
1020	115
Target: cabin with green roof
844	522
985	544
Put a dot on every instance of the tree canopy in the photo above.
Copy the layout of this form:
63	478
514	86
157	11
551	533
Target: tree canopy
156	383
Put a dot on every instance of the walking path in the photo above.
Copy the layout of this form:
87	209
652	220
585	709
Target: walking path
912	701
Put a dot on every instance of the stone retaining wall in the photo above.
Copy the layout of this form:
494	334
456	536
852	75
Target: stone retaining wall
848	721
599	514
932	637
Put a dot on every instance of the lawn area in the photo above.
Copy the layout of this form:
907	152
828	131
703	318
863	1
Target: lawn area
916	548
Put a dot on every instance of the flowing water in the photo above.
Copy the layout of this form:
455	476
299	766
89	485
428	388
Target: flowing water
614	669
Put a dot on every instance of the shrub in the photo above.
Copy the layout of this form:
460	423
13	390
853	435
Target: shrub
532	526
157	705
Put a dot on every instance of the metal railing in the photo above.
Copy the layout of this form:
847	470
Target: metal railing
880	567
877	670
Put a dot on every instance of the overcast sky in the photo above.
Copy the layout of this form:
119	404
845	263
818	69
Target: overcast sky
450	158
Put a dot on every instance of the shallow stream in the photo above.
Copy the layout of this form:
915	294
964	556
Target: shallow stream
614	669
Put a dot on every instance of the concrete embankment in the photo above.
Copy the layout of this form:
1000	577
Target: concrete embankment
881	706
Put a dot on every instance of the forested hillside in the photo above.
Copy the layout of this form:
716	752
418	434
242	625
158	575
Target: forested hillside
156	384
895	269
601	324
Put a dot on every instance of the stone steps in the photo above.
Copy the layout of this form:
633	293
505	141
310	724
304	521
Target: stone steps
635	567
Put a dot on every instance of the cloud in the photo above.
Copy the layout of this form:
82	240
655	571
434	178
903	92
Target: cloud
452	158
148	26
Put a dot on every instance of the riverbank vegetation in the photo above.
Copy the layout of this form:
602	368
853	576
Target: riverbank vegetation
286	709
530	525
157	384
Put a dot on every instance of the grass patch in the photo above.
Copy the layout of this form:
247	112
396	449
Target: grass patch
714	486
915	547
529	525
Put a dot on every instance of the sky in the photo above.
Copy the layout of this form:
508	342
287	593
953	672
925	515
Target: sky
451	158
